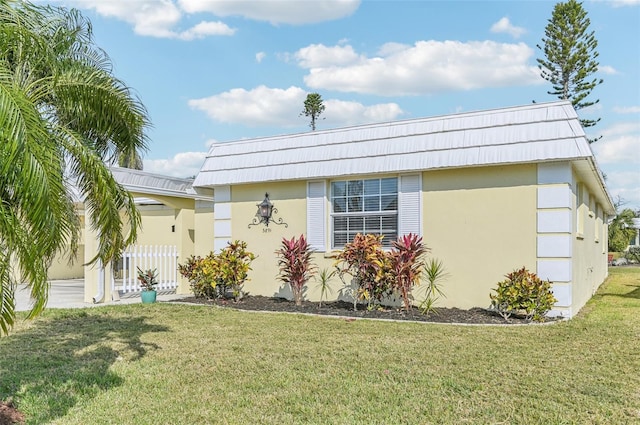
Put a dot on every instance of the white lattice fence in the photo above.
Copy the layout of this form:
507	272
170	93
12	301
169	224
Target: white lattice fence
162	258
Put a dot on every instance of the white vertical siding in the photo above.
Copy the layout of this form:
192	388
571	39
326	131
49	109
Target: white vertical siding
316	215
409	214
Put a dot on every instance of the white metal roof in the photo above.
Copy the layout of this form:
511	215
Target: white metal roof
525	134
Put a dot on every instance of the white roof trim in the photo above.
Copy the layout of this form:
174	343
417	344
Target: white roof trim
154	184
525	134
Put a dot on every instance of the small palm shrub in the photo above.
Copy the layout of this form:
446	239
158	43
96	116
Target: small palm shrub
296	267
434	273
323	278
523	291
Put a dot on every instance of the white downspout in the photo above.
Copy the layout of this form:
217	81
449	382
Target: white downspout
100	295
115	296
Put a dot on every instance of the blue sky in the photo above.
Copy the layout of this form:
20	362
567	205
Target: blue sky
211	70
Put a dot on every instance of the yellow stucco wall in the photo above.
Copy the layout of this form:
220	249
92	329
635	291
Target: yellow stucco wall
156	228
204	225
289	198
481	222
589	246
61	269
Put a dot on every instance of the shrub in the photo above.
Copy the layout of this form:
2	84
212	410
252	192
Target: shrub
434	272
633	254
215	275
366	262
323	279
523	291
192	270
233	267
407	261
296	268
201	275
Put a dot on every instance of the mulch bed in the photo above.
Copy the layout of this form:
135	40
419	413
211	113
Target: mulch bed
9	415
474	316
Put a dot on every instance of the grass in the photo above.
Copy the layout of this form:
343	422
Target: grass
181	364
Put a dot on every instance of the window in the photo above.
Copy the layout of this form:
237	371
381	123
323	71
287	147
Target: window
364	206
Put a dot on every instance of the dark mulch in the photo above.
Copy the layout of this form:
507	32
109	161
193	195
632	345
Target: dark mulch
9	415
475	316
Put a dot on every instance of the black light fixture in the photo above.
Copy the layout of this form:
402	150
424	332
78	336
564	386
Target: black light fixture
265	213
265	209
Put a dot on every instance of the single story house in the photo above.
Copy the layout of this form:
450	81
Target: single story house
170	213
489	191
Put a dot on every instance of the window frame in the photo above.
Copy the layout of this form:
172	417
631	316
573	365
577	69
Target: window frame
362	212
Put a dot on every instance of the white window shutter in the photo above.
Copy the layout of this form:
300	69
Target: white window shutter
316	215
410	214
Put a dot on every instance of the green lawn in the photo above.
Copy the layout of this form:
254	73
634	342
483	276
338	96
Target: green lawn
180	364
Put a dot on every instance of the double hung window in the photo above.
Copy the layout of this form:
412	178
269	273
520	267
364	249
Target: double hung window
364	206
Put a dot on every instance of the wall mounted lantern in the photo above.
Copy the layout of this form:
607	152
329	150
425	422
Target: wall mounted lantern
265	213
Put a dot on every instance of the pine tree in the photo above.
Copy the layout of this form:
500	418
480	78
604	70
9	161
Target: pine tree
570	56
313	107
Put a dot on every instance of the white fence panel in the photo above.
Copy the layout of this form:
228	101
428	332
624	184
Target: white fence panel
162	258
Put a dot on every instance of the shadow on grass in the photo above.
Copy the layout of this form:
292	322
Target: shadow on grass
633	294
66	358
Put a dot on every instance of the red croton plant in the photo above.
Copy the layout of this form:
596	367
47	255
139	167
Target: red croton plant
377	272
296	267
407	262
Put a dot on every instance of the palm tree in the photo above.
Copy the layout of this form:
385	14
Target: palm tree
131	160
621	229
63	116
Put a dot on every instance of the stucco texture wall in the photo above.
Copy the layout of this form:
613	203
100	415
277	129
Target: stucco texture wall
289	198
589	247
157	222
481	222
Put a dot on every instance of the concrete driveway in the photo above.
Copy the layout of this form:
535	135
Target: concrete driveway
70	294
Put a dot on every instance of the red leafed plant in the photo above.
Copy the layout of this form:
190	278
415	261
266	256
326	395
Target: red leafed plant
407	260
296	267
368	264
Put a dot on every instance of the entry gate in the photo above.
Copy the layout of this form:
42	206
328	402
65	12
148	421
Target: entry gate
162	258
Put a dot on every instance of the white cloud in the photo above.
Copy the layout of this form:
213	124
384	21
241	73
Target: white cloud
276	11
626	186
319	55
618	153
153	18
627	109
257	107
620	144
260	56
427	67
264	106
622	3
204	29
184	164
339	113
505	26
609	70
